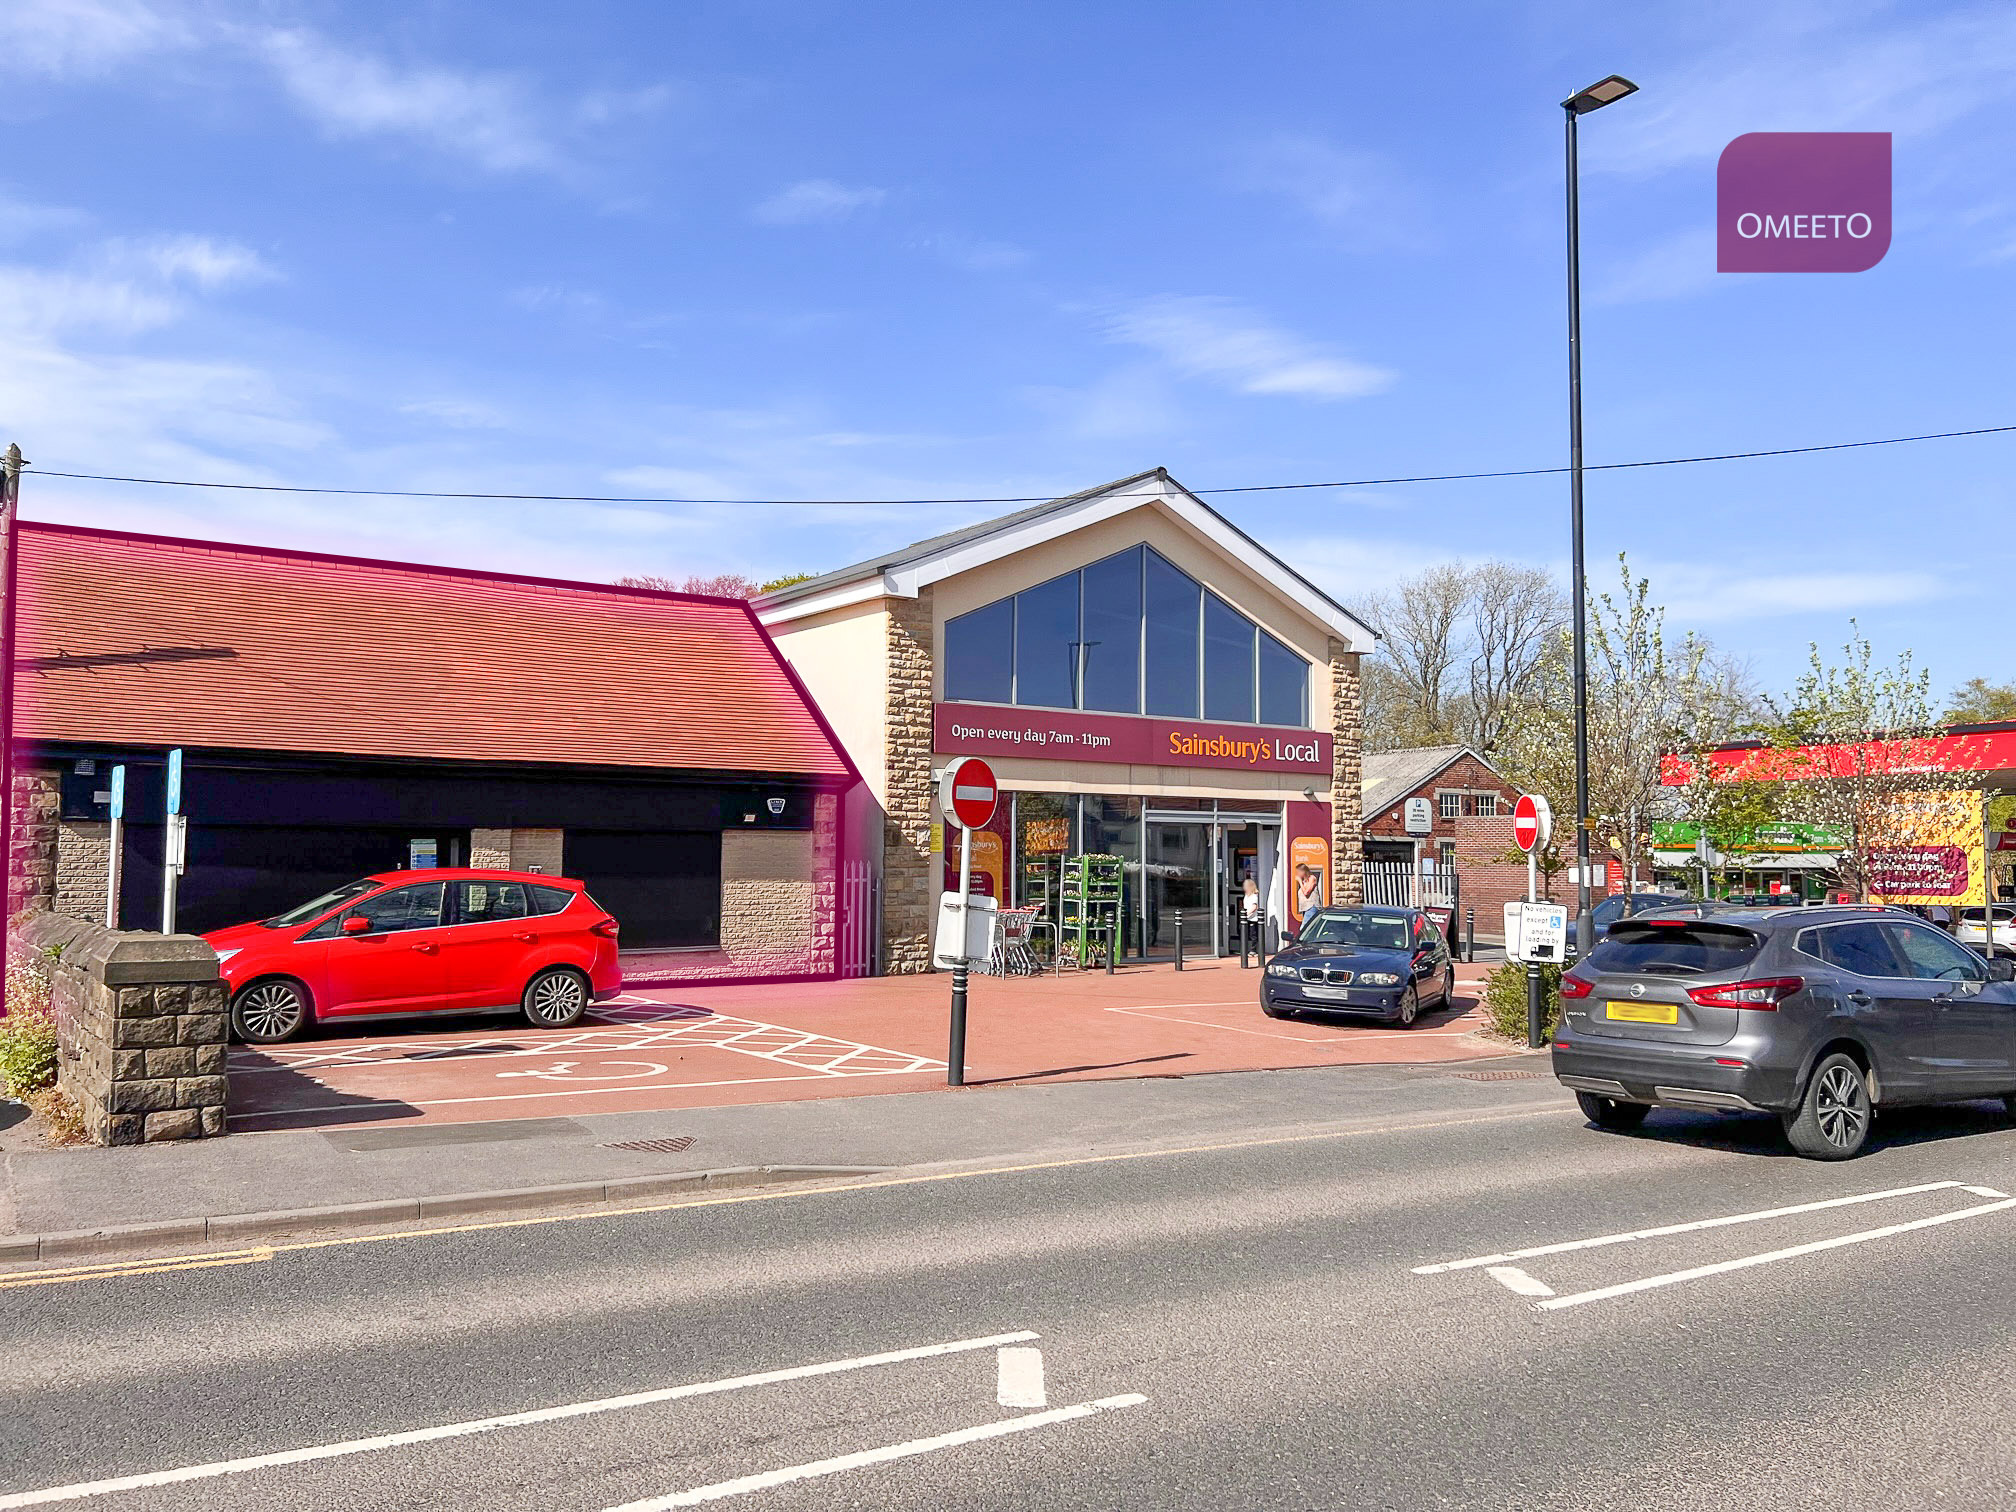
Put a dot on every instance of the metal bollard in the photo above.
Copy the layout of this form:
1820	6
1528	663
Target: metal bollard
1112	944
1469	934
1245	944
1536	1008
1179	939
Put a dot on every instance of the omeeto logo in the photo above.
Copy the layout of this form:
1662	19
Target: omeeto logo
1803	202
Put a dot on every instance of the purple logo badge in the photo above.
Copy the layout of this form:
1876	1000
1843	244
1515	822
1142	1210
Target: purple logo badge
1803	202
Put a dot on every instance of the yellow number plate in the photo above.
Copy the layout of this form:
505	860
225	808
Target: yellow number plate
1643	1013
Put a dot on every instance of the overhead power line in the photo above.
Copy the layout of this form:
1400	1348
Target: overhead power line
1462	477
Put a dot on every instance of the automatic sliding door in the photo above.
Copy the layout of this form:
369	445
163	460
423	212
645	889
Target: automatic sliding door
1179	865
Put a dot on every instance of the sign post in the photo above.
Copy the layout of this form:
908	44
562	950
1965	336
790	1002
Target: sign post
115	857
967	796
1532	827
174	842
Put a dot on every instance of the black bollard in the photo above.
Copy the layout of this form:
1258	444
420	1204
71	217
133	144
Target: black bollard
1112	943
1536	1008
1245	945
1179	939
1469	934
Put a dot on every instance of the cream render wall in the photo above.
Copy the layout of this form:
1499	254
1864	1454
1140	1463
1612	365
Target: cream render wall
842	657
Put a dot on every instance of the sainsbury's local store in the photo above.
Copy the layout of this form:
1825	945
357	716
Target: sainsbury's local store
1149	683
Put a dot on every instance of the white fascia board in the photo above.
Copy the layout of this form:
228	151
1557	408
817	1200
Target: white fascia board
839	596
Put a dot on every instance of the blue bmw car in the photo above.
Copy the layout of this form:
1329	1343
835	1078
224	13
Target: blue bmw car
1385	963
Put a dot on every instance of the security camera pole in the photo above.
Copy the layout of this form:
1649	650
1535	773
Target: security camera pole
967	795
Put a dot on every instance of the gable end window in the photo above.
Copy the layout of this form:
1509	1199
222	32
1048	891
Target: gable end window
1129	634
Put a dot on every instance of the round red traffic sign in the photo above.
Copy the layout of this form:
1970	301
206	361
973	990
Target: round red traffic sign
968	793
1532	822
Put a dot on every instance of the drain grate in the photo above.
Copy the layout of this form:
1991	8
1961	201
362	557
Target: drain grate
653	1146
1498	1075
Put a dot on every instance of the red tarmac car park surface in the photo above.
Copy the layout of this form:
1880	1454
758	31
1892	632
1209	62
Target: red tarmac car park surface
684	1047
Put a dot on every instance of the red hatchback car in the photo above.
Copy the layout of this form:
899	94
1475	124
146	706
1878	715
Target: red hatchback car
441	941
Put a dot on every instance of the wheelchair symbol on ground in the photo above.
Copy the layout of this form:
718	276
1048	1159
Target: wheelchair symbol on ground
564	1071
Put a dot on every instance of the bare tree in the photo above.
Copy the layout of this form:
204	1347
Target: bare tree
1411	687
721	585
1516	614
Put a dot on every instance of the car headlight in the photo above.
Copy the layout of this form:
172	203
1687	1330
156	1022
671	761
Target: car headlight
225	955
1276	968
1379	978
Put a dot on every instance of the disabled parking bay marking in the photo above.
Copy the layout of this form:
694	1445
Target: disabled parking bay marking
1516	1279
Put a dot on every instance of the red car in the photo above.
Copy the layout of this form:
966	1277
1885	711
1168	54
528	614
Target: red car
441	941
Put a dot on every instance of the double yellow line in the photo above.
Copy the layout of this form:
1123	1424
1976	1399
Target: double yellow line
259	1254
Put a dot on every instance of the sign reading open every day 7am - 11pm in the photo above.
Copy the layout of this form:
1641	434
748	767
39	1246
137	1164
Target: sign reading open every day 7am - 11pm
1066	735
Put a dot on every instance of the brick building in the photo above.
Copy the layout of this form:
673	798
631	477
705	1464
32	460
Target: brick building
1434	808
1148	682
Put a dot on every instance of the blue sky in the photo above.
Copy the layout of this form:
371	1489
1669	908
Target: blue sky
844	251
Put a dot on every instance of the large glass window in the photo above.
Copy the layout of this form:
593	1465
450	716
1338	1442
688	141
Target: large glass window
1046	644
1173	602
1228	661
980	655
1113	634
1129	634
1284	684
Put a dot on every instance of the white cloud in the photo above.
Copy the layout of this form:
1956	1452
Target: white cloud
39	299
1132	403
1205	337
1695	594
816	200
205	261
71	37
457	414
1353	193
483	117
1353	568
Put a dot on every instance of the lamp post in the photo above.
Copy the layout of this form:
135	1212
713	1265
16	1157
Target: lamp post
1595	97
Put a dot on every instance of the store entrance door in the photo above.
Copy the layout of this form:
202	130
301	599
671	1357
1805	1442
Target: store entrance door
1180	866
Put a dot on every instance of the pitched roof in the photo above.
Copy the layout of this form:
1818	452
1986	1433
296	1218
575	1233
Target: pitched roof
1389	776
139	640
902	569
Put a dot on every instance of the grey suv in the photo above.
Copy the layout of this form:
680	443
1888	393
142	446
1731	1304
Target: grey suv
1819	1015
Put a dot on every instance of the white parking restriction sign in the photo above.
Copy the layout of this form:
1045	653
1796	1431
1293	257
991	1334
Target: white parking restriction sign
1536	932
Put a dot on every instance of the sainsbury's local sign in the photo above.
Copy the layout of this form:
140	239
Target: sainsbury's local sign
1129	739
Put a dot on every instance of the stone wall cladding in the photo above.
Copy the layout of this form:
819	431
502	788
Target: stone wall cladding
538	850
769	897
1347	787
31	849
141	1021
490	849
83	849
906	839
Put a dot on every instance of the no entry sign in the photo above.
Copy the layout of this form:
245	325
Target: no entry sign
1532	823
967	793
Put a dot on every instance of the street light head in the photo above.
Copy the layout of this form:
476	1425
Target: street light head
1596	96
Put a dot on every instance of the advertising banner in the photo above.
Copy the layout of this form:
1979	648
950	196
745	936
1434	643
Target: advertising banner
1308	860
1130	739
1927	849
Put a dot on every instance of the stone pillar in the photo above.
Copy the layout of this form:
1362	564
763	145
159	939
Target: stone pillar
31	851
140	1027
906	833
1347	788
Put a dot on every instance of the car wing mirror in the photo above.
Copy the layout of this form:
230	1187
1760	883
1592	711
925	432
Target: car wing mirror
1287	937
2002	969
356	924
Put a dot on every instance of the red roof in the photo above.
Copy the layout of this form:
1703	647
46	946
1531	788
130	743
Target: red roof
140	640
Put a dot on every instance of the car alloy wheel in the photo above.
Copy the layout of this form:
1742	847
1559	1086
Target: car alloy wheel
268	1012
1833	1119
556	999
1449	988
1410	1007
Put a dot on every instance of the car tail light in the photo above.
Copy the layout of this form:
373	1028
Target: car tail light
607	929
1765	994
1574	987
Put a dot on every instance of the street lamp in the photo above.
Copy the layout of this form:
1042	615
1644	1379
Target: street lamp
1595	97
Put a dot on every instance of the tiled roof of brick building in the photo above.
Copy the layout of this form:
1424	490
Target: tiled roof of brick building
1390	776
136	640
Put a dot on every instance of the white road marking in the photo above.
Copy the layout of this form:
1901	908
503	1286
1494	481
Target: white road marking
1018	1374
1985	1191
765	1479
1673	1278
564	1071
1682	1228
1513	1278
84	1489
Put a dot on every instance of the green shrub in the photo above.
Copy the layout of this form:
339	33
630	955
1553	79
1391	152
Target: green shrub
27	1051
1505	999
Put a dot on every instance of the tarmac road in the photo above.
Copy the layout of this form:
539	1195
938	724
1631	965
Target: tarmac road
1238	1325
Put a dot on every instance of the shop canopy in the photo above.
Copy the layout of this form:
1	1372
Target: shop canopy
1984	753
132	640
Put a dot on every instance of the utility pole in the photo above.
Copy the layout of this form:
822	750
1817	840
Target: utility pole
10	542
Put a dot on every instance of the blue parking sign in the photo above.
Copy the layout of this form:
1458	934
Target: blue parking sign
175	781
119	792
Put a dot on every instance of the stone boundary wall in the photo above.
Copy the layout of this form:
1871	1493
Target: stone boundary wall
141	1027
31	849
